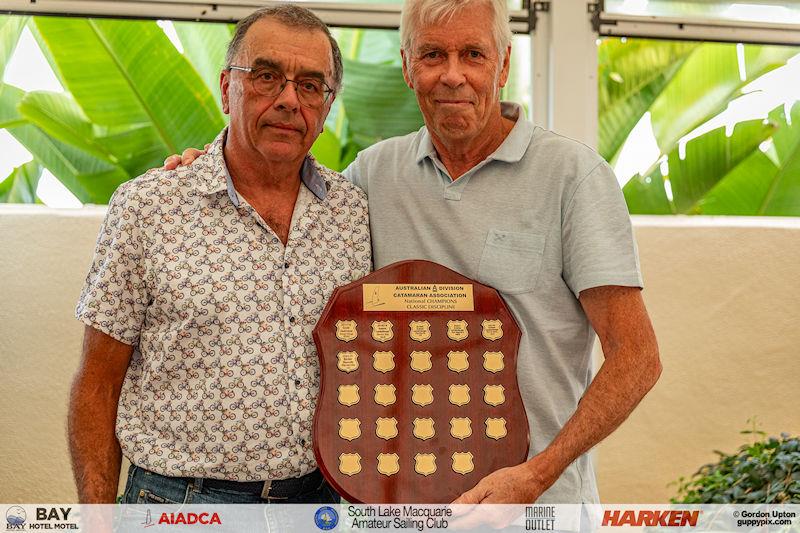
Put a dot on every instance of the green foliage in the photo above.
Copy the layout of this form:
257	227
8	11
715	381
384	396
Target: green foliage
765	471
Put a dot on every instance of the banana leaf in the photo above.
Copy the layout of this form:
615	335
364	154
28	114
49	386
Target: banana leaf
10	30
708	159
19	187
205	45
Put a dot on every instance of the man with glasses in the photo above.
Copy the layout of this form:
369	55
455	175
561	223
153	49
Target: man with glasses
198	361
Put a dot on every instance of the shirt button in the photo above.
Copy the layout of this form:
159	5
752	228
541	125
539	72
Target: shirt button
297	382
286	265
302	442
291	319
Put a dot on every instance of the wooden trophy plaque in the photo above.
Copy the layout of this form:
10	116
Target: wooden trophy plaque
418	395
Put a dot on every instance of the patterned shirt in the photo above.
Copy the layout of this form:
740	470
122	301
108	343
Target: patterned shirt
224	375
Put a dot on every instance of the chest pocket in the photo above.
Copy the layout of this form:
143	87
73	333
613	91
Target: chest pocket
511	260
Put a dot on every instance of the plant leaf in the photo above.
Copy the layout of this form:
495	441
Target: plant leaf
19	187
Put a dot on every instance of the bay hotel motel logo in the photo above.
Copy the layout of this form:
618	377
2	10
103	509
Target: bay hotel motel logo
46	518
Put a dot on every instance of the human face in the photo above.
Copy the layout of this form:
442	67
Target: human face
456	72
277	128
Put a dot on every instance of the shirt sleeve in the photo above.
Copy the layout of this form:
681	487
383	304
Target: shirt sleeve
355	175
362	242
115	297
598	245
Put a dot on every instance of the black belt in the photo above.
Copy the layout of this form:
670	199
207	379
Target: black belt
278	488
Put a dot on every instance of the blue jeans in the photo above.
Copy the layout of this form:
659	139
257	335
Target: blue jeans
145	487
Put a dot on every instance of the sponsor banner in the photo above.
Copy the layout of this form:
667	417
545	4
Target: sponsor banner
345	517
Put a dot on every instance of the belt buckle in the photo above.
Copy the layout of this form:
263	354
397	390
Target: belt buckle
265	489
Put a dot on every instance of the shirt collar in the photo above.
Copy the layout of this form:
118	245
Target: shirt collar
510	150
215	177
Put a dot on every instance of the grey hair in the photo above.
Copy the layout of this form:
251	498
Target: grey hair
424	12
292	16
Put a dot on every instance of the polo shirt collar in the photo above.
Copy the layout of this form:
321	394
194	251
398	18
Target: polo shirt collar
215	176
511	150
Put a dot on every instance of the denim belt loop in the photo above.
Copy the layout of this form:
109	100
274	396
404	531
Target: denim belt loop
197	485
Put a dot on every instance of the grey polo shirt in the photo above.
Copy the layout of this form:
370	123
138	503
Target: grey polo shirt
541	219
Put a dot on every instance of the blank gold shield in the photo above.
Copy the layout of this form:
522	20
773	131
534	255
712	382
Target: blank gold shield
492	330
420	330
347	361
388	463
459	394
386	428
349	463
385	394
494	394
422	394
457	330
383	361
346	330
496	428
421	361
348	394
460	428
349	428
493	361
457	361
382	331
462	462
423	428
425	463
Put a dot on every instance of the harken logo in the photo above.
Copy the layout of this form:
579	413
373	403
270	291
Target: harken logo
651	518
189	518
15	518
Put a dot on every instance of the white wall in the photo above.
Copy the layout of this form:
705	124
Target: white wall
723	295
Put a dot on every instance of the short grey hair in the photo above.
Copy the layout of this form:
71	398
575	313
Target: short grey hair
292	16
424	12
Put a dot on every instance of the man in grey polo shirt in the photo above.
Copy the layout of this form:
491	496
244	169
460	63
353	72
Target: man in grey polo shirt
538	216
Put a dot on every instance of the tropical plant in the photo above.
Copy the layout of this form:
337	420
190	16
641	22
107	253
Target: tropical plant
682	86
133	98
764	471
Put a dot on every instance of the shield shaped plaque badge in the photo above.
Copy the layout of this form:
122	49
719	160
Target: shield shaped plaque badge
418	394
383	361
350	428
388	463
421	361
385	394
420	330
349	464
425	463
422	395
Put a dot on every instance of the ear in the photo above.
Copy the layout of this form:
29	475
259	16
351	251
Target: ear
505	68
406	75
224	85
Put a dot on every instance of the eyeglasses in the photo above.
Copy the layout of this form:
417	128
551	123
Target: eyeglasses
311	92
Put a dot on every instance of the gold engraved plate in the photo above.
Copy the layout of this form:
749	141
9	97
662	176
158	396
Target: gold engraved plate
462	462
385	394
496	428
417	297
420	331
382	331
460	428
347	361
459	394
349	428
384	361
348	394
388	463
421	361
346	330
492	330
457	361
494	394
422	394
425	464
349	463
493	361
457	330
386	428
423	428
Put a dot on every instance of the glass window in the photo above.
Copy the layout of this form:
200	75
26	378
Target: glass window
768	11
